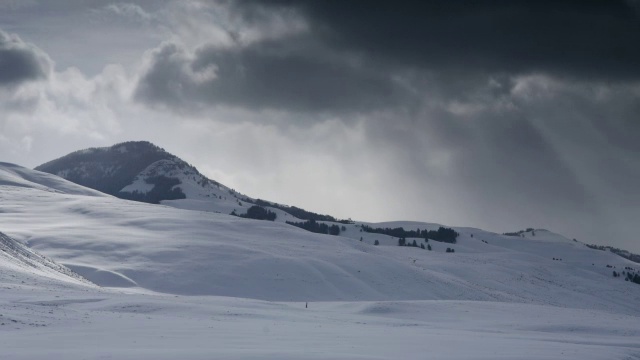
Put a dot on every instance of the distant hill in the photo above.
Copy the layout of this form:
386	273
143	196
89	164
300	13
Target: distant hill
142	171
136	170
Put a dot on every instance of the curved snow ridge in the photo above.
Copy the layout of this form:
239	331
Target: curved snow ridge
18	176
17	256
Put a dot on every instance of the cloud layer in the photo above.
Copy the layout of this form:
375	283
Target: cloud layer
595	39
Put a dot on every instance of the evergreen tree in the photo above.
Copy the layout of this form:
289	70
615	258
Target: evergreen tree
259	213
376	243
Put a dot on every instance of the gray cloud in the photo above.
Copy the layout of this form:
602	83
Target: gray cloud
373	55
20	61
594	39
268	75
129	11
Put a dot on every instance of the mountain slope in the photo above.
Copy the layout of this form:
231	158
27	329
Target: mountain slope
144	172
18	263
134	170
17	176
129	244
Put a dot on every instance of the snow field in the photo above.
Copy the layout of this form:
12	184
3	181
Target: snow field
504	298
107	324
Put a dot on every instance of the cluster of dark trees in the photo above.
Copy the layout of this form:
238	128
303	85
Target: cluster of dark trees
634	278
163	190
316	227
521	232
623	253
443	234
258	213
403	242
628	276
450	250
298	212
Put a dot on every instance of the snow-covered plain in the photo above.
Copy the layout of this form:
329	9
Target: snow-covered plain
192	284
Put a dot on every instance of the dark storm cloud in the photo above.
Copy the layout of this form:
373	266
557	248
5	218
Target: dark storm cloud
292	76
20	61
361	55
566	37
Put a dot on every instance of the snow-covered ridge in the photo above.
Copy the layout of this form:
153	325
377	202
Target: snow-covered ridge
141	171
16	257
14	175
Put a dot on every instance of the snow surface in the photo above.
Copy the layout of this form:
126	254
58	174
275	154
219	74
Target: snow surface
199	285
107	325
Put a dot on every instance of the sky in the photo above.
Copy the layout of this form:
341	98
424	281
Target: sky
500	115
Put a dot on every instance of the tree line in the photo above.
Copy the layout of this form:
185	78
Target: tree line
258	213
443	234
298	212
623	253
316	227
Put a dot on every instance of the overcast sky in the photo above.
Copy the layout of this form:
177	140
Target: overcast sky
494	114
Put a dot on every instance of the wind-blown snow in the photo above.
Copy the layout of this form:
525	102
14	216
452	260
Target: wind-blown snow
18	261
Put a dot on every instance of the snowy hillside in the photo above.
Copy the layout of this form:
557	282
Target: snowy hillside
16	176
139	171
537	295
114	242
142	171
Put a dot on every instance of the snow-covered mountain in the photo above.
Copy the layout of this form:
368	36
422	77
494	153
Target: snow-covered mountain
535	295
142	171
134	170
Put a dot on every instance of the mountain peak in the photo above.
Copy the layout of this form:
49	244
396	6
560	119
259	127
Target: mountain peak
111	169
